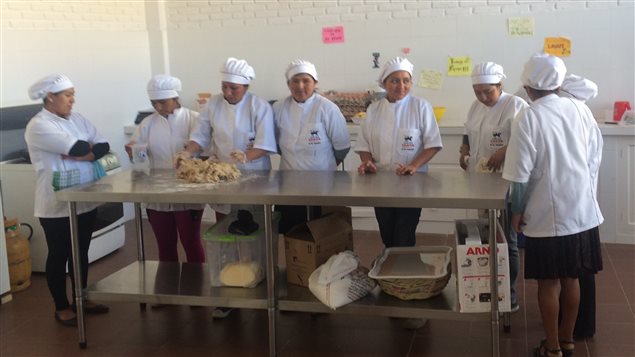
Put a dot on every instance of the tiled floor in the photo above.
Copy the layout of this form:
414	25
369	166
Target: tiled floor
27	327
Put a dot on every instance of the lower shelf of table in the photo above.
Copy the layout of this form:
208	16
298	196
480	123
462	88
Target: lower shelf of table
175	283
443	306
156	282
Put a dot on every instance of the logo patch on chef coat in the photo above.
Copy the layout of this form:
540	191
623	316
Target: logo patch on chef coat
251	138
407	144
496	141
314	137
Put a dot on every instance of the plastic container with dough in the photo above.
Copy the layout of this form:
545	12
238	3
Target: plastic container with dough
233	259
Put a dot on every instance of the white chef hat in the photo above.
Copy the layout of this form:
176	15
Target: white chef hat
301	66
543	72
237	71
163	86
53	83
579	88
394	65
488	73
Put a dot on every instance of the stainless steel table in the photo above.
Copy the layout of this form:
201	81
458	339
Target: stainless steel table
145	281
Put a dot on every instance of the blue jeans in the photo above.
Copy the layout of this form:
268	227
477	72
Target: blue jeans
512	249
514	263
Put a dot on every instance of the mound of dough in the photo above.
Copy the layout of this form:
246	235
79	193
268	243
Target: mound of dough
200	171
239	156
241	274
481	166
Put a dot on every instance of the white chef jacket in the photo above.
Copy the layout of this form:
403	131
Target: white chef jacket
309	133
395	133
166	137
48	136
489	128
225	127
556	148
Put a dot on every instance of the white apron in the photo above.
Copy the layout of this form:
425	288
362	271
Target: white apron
303	140
166	137
232	131
488	129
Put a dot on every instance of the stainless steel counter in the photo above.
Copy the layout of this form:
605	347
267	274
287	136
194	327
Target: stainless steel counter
183	283
442	189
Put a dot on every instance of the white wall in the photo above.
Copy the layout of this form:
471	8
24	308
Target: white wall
111	48
101	46
201	35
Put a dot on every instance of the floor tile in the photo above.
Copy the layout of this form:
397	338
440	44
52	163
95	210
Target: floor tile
180	330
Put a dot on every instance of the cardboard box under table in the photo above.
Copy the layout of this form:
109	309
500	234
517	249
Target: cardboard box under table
309	245
234	259
473	267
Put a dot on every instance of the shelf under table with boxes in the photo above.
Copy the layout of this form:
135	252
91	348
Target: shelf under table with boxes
193	284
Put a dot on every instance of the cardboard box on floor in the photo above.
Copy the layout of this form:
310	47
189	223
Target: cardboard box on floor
309	245
473	267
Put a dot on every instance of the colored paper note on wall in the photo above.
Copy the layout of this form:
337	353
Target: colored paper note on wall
333	34
520	26
430	79
558	46
459	66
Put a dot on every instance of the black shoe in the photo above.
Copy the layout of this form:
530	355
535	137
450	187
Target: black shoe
221	312
543	351
72	322
96	309
570	348
413	324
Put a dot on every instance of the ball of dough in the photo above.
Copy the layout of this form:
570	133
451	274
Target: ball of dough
241	274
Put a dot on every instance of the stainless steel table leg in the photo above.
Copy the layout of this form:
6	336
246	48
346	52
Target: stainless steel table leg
77	274
139	234
271	242
139	230
493	258
504	217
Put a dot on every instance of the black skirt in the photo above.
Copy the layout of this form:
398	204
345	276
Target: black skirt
568	256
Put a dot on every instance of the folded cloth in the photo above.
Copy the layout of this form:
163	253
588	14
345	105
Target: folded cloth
98	170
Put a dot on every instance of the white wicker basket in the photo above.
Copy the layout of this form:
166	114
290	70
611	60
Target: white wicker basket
405	272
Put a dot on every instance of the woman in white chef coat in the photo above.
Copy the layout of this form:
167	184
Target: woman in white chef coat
166	132
582	89
488	124
235	124
487	132
553	159
311	133
60	140
399	134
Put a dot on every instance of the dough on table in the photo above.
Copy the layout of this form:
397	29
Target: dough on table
481	166
239	156
205	171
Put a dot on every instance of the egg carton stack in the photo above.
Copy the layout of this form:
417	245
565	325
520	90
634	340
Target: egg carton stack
350	103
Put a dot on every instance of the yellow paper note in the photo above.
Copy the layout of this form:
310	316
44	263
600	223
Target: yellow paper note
430	79
459	66
520	26
558	46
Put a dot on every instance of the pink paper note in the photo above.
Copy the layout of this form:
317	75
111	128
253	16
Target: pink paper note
333	34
